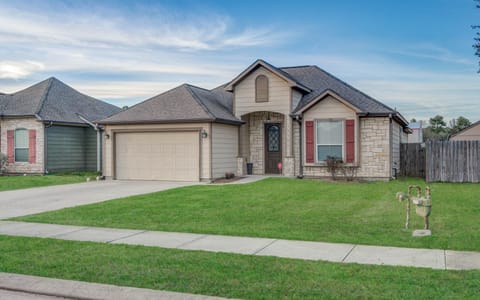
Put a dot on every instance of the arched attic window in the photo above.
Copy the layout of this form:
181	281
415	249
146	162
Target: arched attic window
261	89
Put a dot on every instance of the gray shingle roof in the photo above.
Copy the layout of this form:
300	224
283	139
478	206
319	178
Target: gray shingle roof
185	103
53	100
320	81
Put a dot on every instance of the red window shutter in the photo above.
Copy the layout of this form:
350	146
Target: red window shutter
350	140
309	142
10	145
32	146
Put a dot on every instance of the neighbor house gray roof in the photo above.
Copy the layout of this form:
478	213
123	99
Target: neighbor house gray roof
185	103
53	100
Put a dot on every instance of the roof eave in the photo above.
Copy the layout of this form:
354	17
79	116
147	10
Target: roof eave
395	115
136	122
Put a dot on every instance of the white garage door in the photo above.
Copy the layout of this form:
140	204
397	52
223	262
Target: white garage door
157	156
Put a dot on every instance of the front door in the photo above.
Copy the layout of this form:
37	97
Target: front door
273	148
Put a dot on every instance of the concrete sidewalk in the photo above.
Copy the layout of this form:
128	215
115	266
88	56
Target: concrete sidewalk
333	252
15	286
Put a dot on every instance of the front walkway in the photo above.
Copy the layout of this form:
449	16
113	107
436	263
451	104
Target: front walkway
15	286
333	252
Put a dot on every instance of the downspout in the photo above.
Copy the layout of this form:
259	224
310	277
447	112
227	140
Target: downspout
391	145
99	142
298	118
45	147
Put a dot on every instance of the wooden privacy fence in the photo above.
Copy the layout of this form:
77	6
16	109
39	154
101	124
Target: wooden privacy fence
412	160
453	161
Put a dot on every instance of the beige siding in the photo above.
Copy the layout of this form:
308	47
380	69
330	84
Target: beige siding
396	140
330	108
224	149
27	123
471	134
205	152
279	94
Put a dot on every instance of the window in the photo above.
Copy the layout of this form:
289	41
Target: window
329	139
261	89
21	145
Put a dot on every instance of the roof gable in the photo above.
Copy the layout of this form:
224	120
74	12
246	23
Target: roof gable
464	130
261	63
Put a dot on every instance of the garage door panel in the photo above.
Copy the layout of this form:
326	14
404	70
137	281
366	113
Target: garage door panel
157	156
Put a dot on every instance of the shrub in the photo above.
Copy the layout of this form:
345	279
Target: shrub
3	163
334	164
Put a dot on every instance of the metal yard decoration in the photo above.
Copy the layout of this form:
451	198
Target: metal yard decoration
423	204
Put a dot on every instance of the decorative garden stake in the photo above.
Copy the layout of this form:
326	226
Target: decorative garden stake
423	204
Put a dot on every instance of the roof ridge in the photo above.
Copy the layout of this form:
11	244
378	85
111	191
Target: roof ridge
195	96
44	96
352	87
196	86
301	66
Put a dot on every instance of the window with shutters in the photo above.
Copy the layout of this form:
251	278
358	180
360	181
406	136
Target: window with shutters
21	145
261	89
329	139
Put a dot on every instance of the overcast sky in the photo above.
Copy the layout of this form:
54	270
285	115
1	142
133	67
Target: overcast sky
415	56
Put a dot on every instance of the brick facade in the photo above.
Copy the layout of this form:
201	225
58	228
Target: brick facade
27	123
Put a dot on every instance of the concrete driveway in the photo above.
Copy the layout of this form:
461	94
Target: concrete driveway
35	200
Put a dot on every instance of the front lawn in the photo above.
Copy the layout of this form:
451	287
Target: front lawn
363	213
228	275
23	182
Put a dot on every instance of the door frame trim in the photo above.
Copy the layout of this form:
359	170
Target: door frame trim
265	141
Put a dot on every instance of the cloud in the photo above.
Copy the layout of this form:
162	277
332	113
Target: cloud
18	69
99	29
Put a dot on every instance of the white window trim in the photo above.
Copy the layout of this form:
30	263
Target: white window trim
15	145
317	144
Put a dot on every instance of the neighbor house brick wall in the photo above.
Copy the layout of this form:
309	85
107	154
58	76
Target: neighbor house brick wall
29	124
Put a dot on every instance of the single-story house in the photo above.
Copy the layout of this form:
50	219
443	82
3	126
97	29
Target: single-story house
49	127
283	121
471	133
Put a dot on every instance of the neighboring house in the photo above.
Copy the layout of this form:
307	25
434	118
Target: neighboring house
471	133
49	127
296	116
416	135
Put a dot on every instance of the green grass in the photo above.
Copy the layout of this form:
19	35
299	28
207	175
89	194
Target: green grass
228	275
364	213
23	182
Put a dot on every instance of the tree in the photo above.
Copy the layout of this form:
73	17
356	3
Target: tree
459	124
438	125
476	45
413	120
